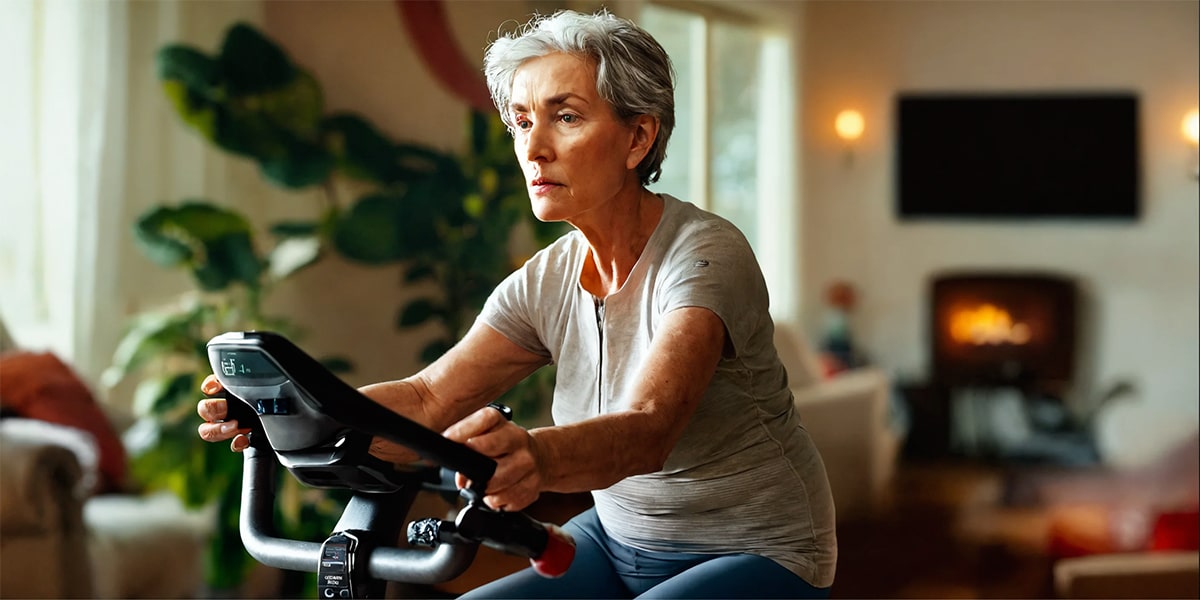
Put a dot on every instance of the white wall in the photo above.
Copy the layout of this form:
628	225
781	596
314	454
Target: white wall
1139	279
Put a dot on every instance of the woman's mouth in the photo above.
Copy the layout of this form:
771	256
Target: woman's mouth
541	185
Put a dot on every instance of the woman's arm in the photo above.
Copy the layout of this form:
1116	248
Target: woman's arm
476	371
598	452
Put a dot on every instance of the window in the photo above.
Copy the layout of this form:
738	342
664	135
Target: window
732	148
66	61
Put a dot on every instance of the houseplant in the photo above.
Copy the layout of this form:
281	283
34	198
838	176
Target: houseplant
448	219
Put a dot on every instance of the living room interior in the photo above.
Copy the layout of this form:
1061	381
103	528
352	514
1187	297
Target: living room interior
1063	472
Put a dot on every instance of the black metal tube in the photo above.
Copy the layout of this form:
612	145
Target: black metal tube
421	566
392	564
257	520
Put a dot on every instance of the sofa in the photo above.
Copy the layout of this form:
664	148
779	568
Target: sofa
71	525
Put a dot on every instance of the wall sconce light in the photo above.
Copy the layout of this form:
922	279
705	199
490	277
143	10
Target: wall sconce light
849	125
1191	132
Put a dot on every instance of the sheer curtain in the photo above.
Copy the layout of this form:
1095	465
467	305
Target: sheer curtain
88	142
63	158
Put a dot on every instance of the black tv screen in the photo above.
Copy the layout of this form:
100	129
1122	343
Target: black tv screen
1017	156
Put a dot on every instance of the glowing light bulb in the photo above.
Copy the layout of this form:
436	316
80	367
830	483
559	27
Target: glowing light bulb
849	125
1191	127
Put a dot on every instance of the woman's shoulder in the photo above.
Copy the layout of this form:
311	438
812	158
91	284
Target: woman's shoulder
689	224
559	254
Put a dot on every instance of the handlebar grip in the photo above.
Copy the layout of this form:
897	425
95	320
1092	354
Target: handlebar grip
558	555
549	548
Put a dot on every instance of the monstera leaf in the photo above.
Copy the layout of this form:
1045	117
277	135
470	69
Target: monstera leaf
252	101
213	243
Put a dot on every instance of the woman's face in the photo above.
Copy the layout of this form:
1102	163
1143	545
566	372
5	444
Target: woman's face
575	152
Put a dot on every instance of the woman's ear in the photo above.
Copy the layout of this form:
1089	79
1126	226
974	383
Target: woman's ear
645	131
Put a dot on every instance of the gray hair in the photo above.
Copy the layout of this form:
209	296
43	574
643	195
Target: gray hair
633	72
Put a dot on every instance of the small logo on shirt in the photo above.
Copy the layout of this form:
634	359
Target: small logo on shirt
702	263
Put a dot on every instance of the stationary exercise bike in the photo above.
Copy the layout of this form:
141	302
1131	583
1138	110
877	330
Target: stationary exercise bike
320	428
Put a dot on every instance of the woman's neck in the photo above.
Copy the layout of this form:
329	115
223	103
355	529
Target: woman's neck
616	244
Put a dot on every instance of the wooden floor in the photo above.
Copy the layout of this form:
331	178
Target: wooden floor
947	532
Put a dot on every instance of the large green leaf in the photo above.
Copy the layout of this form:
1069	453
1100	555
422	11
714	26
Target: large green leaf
301	165
163	397
383	228
419	271
158	240
369	231
252	63
228	259
296	106
362	151
190	81
155	335
248	133
418	311
288	229
189	66
213	242
196	112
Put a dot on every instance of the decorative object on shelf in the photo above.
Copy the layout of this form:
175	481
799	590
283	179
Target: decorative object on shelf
838	349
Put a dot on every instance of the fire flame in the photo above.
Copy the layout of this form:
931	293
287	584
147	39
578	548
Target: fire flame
987	324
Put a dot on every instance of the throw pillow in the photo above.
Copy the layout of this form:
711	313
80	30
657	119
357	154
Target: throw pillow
40	386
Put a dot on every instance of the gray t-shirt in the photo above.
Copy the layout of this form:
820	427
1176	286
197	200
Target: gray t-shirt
745	476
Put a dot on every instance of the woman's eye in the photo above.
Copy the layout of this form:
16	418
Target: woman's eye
522	123
569	118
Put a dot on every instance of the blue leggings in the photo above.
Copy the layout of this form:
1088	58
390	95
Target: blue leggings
604	568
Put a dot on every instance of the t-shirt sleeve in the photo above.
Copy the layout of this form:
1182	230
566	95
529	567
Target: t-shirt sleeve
713	266
509	308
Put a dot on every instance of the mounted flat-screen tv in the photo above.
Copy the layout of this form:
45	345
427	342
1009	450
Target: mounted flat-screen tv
1018	156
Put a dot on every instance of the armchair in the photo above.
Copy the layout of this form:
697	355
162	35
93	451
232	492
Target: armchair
59	541
43	540
847	417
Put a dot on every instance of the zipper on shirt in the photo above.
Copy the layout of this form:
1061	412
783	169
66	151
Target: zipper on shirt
599	302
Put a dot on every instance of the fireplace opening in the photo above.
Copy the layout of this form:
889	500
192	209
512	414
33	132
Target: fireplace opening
1013	330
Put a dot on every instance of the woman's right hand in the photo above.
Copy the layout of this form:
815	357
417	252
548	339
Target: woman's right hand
214	411
218	428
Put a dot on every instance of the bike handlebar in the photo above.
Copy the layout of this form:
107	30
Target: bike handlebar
388	563
309	420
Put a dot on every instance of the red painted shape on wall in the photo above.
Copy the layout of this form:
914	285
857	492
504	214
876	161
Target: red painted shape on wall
426	23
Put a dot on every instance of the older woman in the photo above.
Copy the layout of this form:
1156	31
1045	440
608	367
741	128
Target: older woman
671	405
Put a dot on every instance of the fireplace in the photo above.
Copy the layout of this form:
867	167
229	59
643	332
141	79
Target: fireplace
1003	329
1003	363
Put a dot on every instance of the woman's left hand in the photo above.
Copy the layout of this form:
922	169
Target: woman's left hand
517	481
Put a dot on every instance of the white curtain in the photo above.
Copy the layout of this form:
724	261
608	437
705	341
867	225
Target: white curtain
63	118
88	142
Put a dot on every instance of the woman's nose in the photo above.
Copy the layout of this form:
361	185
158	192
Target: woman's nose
539	146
